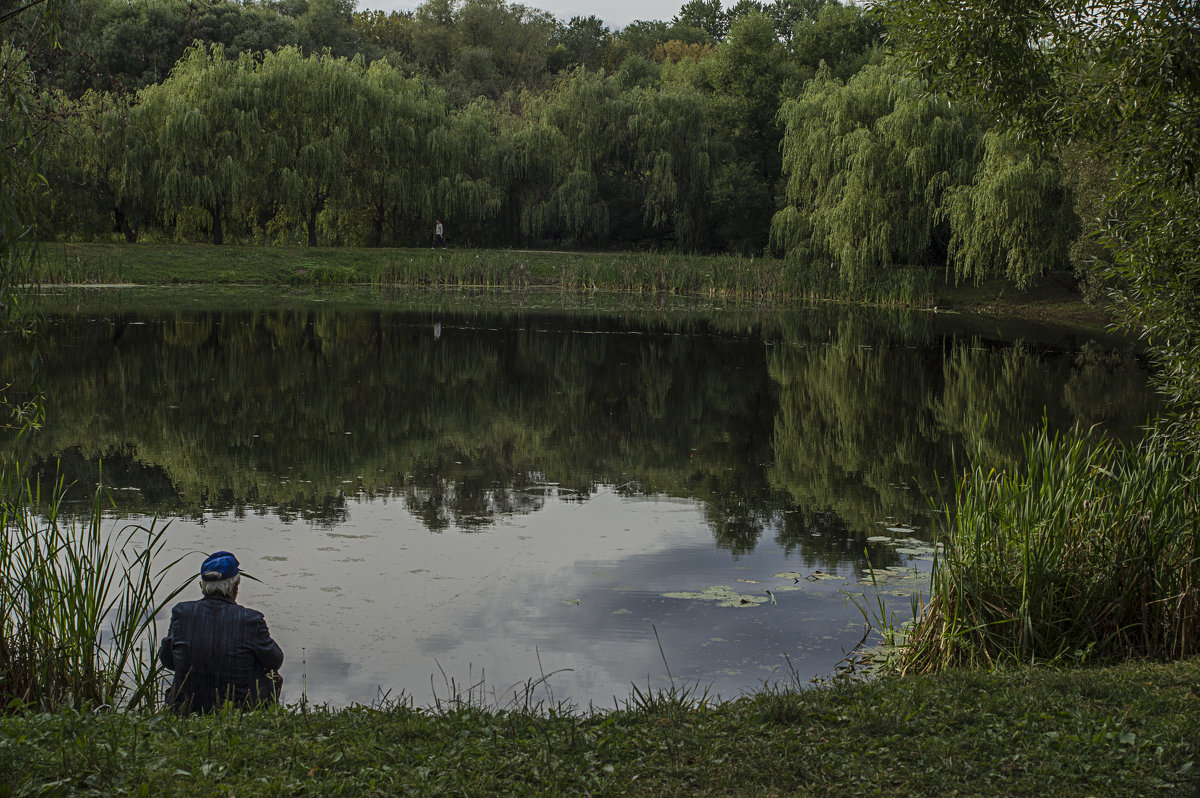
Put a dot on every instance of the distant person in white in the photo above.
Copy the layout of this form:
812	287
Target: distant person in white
438	241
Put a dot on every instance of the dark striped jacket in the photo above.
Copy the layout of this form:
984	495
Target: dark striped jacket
219	651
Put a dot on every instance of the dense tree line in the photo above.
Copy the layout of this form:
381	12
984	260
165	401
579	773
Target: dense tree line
776	127
1116	87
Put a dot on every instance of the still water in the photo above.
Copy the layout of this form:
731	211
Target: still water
532	493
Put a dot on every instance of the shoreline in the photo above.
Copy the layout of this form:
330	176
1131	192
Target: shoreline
1130	729
1051	298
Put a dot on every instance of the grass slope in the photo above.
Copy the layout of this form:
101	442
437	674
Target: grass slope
1051	298
1131	730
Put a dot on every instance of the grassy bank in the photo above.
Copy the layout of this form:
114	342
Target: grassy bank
1132	730
734	277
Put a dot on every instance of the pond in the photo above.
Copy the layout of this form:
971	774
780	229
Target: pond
522	496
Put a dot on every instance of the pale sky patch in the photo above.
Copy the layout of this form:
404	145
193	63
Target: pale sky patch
616	15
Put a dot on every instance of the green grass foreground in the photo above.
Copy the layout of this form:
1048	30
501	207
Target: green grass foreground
1131	730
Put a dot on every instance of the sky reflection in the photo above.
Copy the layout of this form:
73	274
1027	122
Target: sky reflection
380	606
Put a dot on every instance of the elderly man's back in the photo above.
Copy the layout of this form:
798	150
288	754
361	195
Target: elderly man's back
220	651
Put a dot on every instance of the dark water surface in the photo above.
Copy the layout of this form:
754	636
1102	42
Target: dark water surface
445	492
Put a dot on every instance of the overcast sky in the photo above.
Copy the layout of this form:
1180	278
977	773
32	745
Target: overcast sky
615	13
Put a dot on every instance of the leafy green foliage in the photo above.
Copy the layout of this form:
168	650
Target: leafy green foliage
20	182
748	76
881	173
707	15
208	134
470	111
77	605
123	47
1118	84
1087	550
844	37
1012	219
867	163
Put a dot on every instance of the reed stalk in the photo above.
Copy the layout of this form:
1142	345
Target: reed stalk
78	604
1090	551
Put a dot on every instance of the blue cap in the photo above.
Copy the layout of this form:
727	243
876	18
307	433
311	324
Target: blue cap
219	565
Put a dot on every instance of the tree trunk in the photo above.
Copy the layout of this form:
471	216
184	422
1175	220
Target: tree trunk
312	226
121	224
377	227
218	232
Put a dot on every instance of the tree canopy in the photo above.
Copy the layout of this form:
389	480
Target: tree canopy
766	127
1117	84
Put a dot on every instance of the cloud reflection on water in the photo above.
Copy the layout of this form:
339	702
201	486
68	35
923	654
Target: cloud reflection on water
395	609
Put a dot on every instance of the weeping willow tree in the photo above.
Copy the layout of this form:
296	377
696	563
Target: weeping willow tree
881	172
18	181
290	145
395	165
1013	219
867	163
467	147
314	114
560	143
97	184
1117	84
671	135
206	120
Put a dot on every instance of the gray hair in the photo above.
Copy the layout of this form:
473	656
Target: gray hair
224	587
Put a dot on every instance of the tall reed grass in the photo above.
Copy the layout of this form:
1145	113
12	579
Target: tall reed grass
66	270
77	604
1090	551
651	273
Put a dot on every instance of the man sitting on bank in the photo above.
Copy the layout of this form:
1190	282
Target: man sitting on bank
219	650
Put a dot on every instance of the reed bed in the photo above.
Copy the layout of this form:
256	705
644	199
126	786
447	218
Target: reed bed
736	277
77	604
65	269
1089	551
717	276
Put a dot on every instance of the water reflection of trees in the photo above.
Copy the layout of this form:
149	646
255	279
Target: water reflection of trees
817	425
869	419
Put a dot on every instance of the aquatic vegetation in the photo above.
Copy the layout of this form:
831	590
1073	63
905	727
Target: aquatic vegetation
650	274
77	604
724	595
1091	550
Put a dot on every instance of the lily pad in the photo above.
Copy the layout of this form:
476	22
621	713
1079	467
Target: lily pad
743	601
724	595
820	575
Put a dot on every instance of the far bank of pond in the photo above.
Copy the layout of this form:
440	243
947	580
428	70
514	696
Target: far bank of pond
1052	297
601	488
